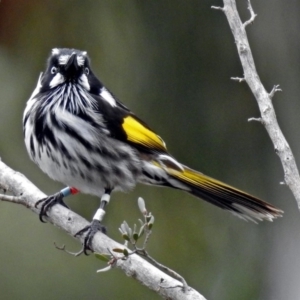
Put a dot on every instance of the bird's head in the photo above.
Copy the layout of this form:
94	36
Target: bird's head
69	66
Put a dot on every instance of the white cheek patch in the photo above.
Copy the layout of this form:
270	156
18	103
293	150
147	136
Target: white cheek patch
57	79
84	82
63	59
107	96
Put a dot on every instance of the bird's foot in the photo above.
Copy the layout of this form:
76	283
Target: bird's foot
48	202
90	230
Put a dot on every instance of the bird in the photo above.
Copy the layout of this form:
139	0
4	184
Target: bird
83	136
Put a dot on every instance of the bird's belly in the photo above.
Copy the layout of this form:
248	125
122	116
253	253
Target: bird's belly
92	172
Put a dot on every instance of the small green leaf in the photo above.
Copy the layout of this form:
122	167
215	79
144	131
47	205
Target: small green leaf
126	237
125	252
119	250
103	257
135	236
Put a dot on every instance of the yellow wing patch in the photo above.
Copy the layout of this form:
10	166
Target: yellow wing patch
139	134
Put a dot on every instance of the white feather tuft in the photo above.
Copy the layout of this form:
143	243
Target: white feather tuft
107	96
55	51
80	60
63	59
168	160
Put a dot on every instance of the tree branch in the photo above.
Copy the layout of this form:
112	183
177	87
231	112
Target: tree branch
252	15
268	116
26	193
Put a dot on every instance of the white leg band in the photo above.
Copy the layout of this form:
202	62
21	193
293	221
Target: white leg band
99	214
105	197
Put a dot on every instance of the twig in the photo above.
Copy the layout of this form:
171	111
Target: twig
255	119
217	8
174	274
63	248
239	79
252	15
13	199
274	90
142	251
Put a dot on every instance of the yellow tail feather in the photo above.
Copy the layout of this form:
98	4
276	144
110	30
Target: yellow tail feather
225	196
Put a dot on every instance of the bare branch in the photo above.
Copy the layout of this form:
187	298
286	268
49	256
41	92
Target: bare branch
63	248
218	8
252	15
275	89
13	199
174	274
255	119
26	193
239	79
268	116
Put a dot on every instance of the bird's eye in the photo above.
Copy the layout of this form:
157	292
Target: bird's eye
53	70
86	71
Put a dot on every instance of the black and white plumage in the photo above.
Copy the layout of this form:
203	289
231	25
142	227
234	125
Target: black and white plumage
64	135
78	133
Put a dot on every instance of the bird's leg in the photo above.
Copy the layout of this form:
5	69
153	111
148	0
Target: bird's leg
95	225
48	202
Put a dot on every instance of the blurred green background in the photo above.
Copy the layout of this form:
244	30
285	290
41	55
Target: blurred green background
171	63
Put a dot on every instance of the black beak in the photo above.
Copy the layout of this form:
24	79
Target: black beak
71	66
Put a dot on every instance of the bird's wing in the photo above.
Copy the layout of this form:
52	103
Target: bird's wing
125	126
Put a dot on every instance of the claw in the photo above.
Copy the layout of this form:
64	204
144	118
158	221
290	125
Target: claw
48	202
91	230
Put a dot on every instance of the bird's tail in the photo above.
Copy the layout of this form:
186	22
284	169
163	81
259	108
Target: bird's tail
220	194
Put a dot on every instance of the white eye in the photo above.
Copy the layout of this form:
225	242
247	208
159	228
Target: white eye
86	71
53	70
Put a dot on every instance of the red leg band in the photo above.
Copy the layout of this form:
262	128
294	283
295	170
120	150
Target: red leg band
74	190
